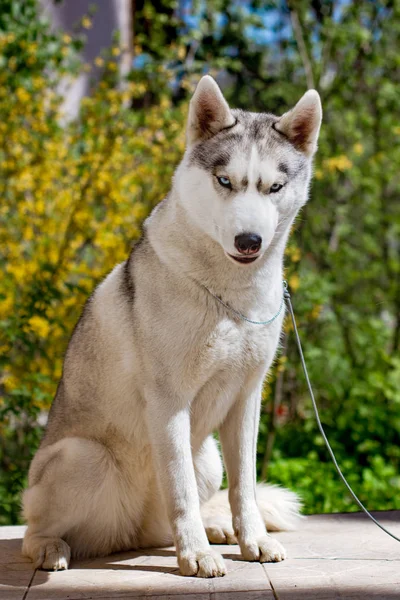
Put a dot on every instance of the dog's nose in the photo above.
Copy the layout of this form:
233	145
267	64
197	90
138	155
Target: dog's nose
248	243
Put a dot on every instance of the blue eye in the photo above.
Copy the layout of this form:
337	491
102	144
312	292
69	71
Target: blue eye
275	188
225	182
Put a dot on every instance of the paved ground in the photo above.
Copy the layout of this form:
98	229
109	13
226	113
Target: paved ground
330	557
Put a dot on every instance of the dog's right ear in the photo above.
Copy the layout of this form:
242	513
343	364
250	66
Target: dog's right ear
208	112
301	124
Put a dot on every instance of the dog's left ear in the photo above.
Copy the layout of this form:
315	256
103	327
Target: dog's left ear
301	124
209	112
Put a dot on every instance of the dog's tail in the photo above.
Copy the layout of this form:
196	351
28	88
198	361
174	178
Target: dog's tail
279	507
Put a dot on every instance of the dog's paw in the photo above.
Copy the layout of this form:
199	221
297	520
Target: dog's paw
206	563
54	556
264	549
220	533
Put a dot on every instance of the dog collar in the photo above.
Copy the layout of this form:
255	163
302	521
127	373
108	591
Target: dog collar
243	317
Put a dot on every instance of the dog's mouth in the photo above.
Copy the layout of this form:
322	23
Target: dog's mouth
244	260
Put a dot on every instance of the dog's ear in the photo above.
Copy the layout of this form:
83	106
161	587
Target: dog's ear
208	111
301	124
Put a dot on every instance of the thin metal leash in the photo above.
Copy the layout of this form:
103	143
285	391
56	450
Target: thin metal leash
238	314
286	296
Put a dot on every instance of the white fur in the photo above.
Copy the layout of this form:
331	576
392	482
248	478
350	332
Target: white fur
247	211
279	508
128	458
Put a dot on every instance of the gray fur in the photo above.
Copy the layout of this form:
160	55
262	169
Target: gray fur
249	128
155	364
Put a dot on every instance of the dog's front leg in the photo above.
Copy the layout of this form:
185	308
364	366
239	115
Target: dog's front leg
238	436
169	426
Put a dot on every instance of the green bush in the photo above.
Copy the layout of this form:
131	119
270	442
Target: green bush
74	196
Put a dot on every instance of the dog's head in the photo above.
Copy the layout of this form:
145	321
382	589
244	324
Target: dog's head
245	175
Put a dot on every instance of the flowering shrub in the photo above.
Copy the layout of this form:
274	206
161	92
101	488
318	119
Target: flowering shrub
73	199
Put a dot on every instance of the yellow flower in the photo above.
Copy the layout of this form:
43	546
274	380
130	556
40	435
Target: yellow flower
38	82
295	254
6	305
67	39
18	270
12	63
98	61
39	325
358	148
338	163
115	51
316	311
181	52
10	382
86	23
294	282
22	95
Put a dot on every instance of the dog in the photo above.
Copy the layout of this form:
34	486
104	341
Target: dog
173	345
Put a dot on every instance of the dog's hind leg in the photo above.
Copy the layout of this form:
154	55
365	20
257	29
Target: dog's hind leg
73	505
48	553
208	469
209	472
280	508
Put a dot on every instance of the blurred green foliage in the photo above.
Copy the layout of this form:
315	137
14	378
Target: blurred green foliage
343	256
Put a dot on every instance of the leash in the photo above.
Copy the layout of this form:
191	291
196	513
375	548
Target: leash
286	295
239	314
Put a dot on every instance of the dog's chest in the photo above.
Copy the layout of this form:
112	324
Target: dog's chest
233	343
230	353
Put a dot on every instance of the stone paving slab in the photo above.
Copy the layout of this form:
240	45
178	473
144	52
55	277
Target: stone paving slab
15	571
337	557
330	557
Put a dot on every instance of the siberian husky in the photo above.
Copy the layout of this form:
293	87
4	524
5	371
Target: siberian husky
164	355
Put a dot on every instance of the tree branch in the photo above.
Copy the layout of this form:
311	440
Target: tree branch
298	34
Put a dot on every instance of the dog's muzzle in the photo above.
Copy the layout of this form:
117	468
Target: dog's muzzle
247	244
